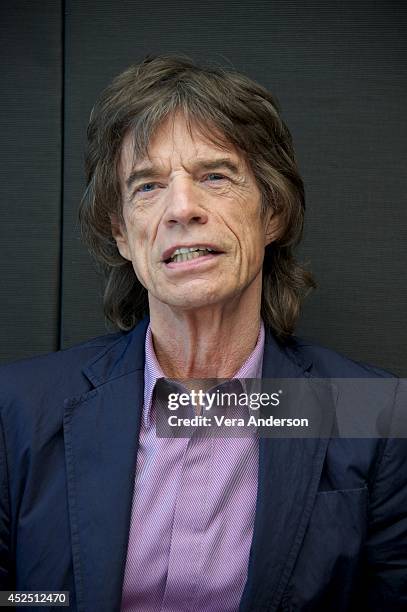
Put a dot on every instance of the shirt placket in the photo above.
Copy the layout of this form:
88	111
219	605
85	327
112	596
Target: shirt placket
184	562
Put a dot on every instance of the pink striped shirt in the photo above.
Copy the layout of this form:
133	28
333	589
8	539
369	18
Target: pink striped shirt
193	512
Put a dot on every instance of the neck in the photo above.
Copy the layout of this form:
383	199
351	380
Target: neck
207	342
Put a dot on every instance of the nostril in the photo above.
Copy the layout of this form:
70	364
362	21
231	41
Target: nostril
196	219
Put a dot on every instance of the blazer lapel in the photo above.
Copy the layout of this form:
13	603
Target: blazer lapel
289	473
101	430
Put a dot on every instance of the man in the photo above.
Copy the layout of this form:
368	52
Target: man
194	204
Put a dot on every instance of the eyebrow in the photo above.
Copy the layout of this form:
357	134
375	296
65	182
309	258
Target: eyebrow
149	172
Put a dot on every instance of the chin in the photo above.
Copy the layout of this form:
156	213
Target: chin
194	300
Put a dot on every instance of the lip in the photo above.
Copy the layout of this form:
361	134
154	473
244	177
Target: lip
198	262
169	252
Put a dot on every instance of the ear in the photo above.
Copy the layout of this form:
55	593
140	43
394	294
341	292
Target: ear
273	224
119	233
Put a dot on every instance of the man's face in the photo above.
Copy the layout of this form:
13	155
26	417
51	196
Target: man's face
190	194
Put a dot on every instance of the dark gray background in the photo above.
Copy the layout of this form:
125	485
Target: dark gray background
338	71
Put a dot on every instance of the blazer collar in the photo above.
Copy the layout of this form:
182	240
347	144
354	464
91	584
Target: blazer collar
284	360
126	355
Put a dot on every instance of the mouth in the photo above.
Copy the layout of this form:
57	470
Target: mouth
185	254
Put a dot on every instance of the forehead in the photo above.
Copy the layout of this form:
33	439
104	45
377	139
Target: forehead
177	140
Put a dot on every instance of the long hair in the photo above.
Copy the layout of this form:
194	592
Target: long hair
247	116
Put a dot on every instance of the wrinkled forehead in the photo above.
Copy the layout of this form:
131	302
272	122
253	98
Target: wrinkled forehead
175	135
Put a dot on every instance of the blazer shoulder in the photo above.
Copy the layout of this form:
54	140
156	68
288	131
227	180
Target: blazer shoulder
57	369
325	362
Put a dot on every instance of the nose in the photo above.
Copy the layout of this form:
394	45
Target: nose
184	204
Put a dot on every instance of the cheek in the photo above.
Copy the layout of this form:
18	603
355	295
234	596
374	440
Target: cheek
143	254
255	252
249	231
137	239
143	225
136	226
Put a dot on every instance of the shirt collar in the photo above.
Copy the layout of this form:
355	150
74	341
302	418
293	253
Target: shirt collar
251	368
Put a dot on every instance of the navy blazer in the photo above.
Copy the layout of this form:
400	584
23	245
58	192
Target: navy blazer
330	529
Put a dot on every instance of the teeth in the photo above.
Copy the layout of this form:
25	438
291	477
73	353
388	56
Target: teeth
190	250
185	254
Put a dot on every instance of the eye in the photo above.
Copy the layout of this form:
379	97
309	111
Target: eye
146	187
215	176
